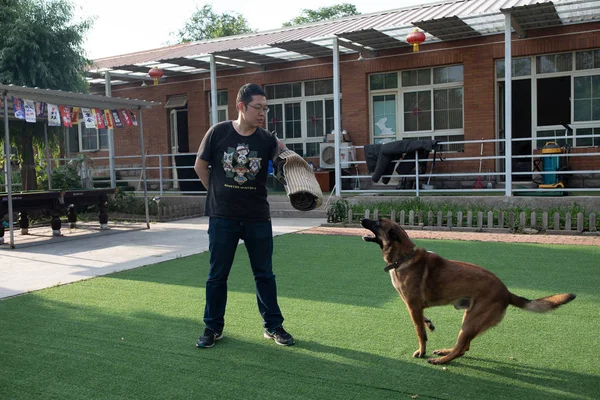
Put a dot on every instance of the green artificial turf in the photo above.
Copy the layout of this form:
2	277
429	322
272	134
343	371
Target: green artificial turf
131	335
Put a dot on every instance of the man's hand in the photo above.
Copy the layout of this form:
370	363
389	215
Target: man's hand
281	146
201	168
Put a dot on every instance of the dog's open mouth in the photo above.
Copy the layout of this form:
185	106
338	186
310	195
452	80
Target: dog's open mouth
369	238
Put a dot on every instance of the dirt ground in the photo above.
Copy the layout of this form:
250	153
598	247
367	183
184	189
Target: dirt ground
469	236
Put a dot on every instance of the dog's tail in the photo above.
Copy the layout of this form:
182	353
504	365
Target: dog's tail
543	304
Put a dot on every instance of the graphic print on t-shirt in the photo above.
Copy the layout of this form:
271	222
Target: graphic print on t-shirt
240	163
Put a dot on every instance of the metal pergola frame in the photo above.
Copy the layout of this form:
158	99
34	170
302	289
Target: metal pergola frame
365	34
67	99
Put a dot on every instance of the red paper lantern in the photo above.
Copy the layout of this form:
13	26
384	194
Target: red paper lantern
415	38
155	74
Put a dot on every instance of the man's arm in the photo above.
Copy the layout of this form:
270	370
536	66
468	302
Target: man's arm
201	168
281	146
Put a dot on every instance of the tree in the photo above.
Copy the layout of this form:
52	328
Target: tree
40	46
323	14
206	24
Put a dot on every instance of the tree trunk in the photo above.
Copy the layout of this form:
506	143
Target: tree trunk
28	174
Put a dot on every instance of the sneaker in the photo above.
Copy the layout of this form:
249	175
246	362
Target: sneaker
208	338
280	336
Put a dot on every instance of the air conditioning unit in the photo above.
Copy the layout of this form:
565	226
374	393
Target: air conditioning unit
327	155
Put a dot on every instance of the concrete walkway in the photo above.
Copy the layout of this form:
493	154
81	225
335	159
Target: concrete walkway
63	260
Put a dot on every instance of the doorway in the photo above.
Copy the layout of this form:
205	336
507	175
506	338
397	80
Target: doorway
521	127
179	140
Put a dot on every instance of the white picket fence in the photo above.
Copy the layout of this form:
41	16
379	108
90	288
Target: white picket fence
499	221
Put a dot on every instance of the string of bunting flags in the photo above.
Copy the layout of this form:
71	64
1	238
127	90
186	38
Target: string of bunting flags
58	115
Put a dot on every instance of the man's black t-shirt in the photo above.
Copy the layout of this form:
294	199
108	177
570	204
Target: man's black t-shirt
238	172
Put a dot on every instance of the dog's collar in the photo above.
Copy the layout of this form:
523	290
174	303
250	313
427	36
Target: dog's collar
398	263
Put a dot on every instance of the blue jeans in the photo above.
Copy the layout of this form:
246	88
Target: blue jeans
224	235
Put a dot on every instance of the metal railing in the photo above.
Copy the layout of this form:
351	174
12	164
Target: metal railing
162	178
497	178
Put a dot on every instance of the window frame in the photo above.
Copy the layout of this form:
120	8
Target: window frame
99	132
307	142
573	73
404	88
220	106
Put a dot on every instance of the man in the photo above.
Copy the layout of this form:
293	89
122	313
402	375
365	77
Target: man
238	209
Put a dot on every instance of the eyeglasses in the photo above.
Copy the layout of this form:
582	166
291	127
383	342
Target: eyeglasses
259	108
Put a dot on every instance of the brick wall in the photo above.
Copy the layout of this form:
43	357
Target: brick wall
477	56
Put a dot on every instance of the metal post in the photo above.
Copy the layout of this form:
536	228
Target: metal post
417	172
8	172
111	137
48	161
160	174
336	115
508	105
144	167
213	91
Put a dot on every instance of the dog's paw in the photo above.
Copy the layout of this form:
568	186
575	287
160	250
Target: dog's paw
435	361
442	352
419	354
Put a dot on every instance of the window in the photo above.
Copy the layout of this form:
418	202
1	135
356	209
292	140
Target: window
283	91
296	147
431	100
73	139
384	116
383	81
416	77
417	111
285	120
275	119
567	90
87	139
588	141
520	67
178	101
559	134
447	104
587	60
554	63
301	113
317	88
221	106
587	98
448	74
293	121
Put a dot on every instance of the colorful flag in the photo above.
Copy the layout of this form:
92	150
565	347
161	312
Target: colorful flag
29	107
133	117
53	115
65	113
125	116
75	116
116	118
108	119
18	108
40	109
99	119
89	118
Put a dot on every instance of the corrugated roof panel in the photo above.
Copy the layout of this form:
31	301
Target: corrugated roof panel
483	16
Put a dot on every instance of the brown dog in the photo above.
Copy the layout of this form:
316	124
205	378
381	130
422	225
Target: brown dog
424	279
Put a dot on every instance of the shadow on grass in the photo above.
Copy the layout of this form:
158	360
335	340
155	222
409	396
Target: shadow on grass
129	347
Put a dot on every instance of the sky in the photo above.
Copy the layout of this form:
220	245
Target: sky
127	26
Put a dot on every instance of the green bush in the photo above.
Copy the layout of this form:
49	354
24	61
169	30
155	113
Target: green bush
338	211
127	202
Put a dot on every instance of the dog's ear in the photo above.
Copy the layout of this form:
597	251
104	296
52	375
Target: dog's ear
394	235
